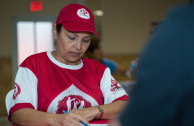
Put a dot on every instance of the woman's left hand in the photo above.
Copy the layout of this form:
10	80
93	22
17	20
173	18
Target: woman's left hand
88	114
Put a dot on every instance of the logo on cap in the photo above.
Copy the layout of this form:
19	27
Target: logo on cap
83	13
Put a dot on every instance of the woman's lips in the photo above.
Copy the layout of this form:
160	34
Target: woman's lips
75	54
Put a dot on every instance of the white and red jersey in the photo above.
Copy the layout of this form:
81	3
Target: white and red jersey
43	83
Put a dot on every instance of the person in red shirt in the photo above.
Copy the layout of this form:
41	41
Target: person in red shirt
49	83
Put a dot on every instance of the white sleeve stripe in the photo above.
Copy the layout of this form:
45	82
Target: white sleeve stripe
27	81
110	88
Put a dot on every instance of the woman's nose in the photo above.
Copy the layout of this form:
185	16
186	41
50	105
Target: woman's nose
78	45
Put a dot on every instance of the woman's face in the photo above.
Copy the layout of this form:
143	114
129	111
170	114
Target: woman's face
71	46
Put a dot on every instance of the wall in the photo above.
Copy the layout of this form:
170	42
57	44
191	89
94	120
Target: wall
126	23
11	8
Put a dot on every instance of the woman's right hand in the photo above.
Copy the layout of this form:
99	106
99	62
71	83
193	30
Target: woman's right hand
70	119
31	117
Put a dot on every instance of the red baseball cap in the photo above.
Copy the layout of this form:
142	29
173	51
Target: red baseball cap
77	18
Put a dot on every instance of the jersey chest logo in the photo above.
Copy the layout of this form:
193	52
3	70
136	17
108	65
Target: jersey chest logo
69	99
71	102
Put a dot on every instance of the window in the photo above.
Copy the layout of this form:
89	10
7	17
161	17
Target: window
33	37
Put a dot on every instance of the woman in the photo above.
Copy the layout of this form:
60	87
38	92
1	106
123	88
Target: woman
51	83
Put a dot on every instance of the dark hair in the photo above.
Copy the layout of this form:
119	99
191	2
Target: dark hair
58	27
94	44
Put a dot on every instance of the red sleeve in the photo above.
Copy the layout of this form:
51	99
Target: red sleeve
19	106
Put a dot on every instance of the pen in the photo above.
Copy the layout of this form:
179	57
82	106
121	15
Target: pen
80	121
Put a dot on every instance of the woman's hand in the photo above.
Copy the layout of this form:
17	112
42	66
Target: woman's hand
111	111
88	114
70	119
31	117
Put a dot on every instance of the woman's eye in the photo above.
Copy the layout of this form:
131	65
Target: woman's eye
71	38
86	40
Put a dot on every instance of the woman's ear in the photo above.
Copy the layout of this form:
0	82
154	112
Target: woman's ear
54	31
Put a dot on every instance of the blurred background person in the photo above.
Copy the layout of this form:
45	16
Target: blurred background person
95	52
164	94
132	69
